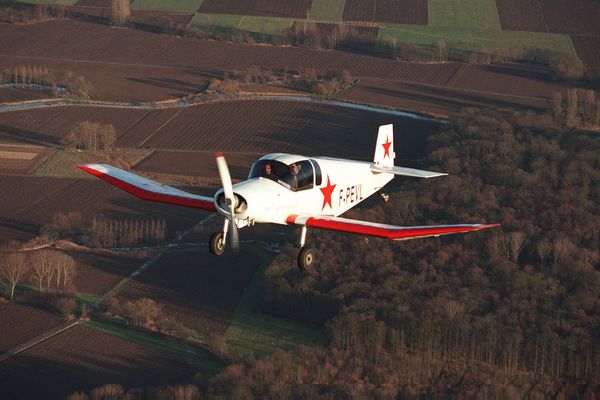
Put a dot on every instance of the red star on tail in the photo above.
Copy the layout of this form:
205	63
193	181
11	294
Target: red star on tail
327	191
386	147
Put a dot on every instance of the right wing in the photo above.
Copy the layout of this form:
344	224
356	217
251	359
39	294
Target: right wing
416	173
148	189
392	232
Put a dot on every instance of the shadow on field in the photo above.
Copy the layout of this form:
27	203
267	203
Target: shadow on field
27	136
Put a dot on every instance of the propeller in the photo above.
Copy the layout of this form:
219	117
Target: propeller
229	200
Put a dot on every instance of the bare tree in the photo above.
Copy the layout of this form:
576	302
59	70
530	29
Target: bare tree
515	244
544	247
494	246
572	108
14	266
121	12
557	108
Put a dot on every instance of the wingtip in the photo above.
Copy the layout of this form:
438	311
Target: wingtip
219	154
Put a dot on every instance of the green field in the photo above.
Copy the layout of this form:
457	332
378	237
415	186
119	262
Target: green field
227	22
188	6
260	334
464	14
327	10
67	2
485	41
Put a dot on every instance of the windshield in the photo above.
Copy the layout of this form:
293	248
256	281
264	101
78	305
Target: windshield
296	176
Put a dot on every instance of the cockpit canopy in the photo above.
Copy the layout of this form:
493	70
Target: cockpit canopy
296	176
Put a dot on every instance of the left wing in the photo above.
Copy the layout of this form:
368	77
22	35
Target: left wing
382	230
148	189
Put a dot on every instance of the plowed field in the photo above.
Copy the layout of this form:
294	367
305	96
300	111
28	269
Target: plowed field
284	126
96	273
21	323
588	49
81	359
391	11
267	8
27	203
196	289
22	159
578	17
521	15
71	40
196	164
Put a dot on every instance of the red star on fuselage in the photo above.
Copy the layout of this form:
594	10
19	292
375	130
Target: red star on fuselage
386	147
327	191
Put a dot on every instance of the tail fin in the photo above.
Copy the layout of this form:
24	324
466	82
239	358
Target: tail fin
384	148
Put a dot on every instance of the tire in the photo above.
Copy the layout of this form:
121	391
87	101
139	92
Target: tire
306	259
216	245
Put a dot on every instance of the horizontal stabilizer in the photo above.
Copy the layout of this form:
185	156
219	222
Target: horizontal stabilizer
148	189
417	173
392	232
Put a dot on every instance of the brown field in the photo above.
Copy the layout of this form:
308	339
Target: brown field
81	358
202	164
437	101
196	289
521	15
118	82
588	49
391	11
529	81
98	273
10	94
267	8
283	126
22	159
577	17
21	323
29	202
85	42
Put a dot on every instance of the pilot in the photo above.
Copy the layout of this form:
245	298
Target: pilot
269	173
295	170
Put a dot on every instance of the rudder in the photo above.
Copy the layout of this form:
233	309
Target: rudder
384	147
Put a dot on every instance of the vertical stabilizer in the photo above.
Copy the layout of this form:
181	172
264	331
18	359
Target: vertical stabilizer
384	148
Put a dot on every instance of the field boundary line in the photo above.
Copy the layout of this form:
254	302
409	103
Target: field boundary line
160	127
36	340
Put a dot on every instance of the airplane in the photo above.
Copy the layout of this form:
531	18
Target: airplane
292	189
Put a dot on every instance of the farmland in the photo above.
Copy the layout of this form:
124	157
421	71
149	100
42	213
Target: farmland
521	15
22	159
81	358
394	12
21	323
40	198
268	8
189	6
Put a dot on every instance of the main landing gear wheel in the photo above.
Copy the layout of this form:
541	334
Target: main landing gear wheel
216	244
306	258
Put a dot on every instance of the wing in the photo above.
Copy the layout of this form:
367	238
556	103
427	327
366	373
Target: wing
148	189
382	230
416	173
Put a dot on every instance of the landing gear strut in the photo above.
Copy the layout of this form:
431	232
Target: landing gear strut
306	255
216	243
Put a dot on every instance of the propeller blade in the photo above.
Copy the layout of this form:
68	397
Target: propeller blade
230	198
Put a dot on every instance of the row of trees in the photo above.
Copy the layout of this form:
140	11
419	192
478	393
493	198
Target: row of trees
106	232
90	136
59	82
578	108
47	270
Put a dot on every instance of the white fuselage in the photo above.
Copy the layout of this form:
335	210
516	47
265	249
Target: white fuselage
344	184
